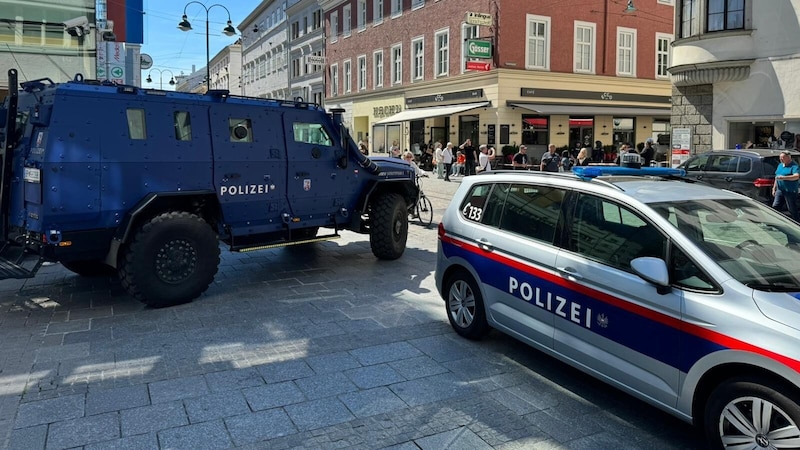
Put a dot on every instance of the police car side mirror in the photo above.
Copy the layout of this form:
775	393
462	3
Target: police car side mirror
653	270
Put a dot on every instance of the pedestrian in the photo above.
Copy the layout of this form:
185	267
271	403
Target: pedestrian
648	153
520	160
458	167
469	157
484	165
550	161
409	157
583	157
784	189
395	150
566	161
749	144
598	153
437	161
362	147
447	160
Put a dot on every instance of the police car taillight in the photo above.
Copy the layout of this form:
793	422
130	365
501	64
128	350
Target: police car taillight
763	182
441	230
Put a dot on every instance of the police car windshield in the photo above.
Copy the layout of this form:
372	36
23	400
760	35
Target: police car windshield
756	245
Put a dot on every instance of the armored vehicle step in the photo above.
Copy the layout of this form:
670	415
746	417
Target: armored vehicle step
250	248
11	260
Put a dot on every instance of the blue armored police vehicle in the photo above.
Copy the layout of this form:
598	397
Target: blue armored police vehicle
108	178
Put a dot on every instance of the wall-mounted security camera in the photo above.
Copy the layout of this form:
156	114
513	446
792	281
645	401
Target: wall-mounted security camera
77	26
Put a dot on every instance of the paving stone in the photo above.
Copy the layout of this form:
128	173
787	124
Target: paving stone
178	389
200	436
458	439
31	438
318	413
273	395
325	385
373	376
371	402
49	410
106	400
442	348
215	406
431	389
83	431
332	362
69	327
419	367
62	352
153	418
227	380
139	442
259	426
385	353
284	370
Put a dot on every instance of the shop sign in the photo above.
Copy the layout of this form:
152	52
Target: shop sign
479	49
477	65
386	111
681	145
476	18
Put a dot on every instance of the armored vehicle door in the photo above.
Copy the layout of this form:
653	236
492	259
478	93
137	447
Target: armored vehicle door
249	167
319	181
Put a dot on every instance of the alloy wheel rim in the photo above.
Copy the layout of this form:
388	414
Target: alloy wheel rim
462	304
755	423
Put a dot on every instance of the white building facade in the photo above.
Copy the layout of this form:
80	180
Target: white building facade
226	69
734	72
265	51
306	51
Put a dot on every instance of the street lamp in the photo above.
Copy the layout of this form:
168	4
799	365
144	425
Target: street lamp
184	25
160	79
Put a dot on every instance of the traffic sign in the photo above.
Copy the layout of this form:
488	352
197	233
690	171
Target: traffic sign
478	65
475	18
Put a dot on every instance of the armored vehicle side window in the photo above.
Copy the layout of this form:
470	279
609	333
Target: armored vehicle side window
311	133
136	125
183	126
241	130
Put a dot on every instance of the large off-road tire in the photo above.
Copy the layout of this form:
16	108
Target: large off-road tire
90	268
172	260
464	303
752	413
388	226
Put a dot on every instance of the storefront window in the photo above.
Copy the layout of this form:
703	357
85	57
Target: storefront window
624	131
581	130
535	130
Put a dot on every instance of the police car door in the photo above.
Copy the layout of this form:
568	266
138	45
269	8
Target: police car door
249	166
518	259
319	183
612	322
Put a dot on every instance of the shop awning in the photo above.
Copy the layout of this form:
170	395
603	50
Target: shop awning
592	110
433	111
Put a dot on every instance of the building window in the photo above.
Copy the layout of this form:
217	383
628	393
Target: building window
663	60
346	18
537	45
725	15
626	52
316	19
296	68
377	69
397	64
362	72
584	47
362	15
334	80
334	26
295	30
690	18
417	4
347	76
377	12
468	32
418	59
397	7
442	53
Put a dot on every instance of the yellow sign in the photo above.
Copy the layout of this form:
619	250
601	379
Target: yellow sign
474	18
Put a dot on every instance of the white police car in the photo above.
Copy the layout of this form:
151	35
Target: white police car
683	295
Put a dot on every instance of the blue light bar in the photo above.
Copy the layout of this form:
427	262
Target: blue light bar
596	171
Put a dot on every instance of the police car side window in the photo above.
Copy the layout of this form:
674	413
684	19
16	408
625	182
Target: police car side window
612	234
476	204
136	125
532	211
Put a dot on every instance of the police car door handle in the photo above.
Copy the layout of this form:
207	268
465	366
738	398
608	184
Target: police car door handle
485	245
569	272
728	179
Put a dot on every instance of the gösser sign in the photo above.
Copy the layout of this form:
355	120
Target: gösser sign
479	49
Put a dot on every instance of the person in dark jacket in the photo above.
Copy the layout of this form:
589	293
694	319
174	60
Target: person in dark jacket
648	153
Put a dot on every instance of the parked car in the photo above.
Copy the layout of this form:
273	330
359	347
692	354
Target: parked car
750	172
681	294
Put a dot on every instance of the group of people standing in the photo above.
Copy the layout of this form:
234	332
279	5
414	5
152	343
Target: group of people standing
450	160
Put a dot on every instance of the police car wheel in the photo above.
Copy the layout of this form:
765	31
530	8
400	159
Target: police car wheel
464	304
752	413
172	260
388	226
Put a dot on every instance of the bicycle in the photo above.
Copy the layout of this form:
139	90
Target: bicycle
422	209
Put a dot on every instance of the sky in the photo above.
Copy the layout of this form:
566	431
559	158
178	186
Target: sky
176	51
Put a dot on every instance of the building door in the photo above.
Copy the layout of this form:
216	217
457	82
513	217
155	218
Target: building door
416	135
468	129
581	131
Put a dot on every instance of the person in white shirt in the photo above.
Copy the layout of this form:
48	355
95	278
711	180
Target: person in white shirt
447	160
483	159
437	156
408	156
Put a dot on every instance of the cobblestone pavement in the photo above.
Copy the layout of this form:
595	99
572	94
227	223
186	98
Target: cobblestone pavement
313	347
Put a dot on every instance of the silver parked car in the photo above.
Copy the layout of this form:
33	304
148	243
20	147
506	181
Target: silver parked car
681	294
